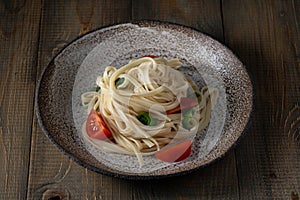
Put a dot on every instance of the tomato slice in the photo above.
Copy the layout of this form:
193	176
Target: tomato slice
185	103
151	56
175	153
96	127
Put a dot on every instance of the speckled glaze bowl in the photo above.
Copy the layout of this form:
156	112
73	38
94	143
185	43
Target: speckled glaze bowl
74	70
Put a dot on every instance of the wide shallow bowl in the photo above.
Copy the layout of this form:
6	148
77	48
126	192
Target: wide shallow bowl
73	71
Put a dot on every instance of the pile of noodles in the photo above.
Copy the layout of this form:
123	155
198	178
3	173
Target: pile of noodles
150	85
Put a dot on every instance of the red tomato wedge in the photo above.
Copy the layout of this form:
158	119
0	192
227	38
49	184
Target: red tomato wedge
96	127
175	153
185	103
151	56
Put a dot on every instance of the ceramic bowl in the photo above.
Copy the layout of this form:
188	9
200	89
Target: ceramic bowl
74	69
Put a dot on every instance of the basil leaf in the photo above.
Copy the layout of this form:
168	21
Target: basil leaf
119	81
95	89
187	122
145	119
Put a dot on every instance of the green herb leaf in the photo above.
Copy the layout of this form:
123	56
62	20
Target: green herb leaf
95	89
119	81
153	121
188	113
145	119
187	122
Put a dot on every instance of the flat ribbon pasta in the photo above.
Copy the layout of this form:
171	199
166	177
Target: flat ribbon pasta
154	86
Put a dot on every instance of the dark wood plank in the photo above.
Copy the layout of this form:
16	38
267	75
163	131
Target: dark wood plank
266	36
53	174
201	14
218	181
19	28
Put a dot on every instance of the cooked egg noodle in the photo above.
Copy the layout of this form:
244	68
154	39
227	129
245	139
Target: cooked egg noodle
151	85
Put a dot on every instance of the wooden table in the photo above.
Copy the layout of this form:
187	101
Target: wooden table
265	35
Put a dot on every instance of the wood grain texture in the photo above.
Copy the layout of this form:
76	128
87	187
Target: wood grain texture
52	174
219	181
266	36
19	28
204	15
60	173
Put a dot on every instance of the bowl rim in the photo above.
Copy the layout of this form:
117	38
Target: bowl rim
141	177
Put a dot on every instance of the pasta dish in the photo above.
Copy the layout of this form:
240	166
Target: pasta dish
147	107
